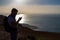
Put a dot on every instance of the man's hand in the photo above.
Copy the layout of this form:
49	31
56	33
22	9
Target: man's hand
19	19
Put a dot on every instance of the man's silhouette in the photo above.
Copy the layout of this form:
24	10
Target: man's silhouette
13	24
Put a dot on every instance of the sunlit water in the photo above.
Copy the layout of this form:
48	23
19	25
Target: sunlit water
45	22
23	18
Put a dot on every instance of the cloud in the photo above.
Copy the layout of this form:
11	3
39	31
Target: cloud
42	9
33	9
33	2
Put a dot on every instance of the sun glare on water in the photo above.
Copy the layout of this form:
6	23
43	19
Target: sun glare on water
23	18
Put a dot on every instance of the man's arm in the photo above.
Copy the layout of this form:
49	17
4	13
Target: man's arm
19	20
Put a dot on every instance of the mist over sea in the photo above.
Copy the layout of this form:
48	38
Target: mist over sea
45	22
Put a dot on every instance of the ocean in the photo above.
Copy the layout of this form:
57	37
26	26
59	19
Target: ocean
44	22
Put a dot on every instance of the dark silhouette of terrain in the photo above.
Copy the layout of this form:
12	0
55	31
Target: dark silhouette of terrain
26	33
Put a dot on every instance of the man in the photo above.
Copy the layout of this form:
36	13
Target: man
13	24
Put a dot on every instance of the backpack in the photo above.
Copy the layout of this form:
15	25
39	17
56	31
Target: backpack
6	24
7	27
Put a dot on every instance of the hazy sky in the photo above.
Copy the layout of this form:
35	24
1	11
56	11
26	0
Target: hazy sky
30	6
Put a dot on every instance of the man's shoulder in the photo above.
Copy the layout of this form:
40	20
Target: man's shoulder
9	16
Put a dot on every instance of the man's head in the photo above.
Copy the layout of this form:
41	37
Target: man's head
14	11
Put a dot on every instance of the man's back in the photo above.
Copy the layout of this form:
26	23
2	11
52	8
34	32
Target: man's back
12	23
